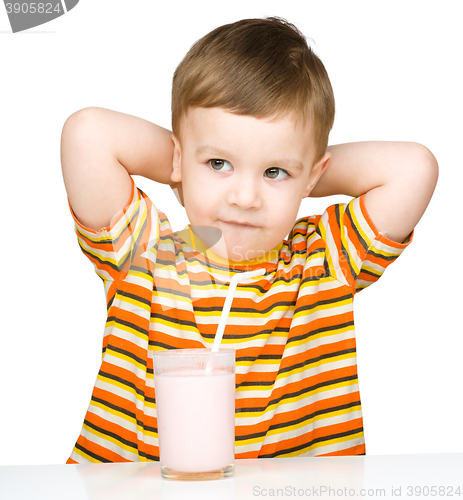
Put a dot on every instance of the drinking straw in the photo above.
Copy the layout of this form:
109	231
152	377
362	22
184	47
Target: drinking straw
228	302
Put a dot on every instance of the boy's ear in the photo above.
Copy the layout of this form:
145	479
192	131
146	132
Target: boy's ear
176	175
317	171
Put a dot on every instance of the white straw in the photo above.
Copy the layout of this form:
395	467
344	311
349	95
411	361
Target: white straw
228	302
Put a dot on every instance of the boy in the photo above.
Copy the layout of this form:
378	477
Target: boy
252	108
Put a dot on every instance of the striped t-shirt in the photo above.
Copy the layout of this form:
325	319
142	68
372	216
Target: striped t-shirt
293	330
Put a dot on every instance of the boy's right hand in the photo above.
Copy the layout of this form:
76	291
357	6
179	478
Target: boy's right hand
99	149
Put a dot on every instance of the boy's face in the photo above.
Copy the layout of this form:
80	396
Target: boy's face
245	176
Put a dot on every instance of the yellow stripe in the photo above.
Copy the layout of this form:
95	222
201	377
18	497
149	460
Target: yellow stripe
323	444
126	417
124	387
105	437
290	428
86	457
270	408
101	257
242	315
95	238
173	324
331	265
129	359
328	333
125	328
322	307
316	418
130	300
357	224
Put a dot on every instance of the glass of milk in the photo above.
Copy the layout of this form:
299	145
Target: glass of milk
195	405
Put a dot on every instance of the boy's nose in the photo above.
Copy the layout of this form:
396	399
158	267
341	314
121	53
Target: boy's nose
245	193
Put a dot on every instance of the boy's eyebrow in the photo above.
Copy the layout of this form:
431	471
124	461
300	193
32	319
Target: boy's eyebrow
288	163
220	153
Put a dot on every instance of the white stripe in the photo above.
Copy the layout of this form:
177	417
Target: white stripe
289	406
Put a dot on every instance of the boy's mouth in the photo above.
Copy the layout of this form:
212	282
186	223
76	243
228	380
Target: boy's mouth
238	223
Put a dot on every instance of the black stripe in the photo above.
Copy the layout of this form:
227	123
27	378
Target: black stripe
91	454
107	263
250	310
111	434
126	353
230	336
319	330
110	303
115	407
316	251
153	458
130	223
109	241
127	384
127	323
134	297
312	442
177	321
125	412
285	280
380	256
160	344
255	383
344	251
142	270
364	271
260	356
170	291
292	367
322	302
333	409
136	244
169	237
298	420
356	231
316	359
317	277
295	394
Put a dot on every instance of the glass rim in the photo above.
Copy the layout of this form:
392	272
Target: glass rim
191	352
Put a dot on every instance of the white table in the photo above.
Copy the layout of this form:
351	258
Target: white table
335	477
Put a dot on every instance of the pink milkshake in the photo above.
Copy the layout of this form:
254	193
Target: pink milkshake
195	404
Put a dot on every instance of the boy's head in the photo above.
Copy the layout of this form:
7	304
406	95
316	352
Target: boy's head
252	107
256	67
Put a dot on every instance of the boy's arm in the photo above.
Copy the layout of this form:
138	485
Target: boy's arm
99	149
397	177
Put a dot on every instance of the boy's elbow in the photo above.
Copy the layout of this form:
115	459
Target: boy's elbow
79	117
425	167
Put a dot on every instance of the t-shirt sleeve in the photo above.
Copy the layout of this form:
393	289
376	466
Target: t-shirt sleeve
112	249
357	253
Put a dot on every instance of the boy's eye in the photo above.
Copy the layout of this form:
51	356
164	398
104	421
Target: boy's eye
276	173
220	165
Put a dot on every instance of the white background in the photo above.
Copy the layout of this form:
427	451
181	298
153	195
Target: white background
396	72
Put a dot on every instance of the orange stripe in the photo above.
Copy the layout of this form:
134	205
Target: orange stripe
102	452
320	432
355	450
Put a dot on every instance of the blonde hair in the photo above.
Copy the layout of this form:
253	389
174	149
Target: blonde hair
257	67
